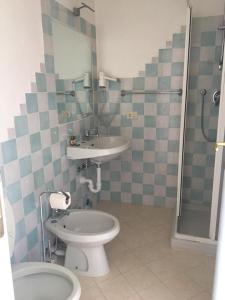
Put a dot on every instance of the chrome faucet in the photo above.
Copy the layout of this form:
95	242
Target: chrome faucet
90	133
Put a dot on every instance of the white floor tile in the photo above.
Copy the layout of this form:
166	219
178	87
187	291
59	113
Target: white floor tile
93	293
141	278
202	275
114	273
157	292
117	289
183	287
143	265
202	296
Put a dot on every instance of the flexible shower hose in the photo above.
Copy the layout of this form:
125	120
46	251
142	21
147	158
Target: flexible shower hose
203	93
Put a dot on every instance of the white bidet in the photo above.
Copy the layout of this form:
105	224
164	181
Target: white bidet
85	232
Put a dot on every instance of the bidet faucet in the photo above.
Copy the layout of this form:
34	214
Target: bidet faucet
56	213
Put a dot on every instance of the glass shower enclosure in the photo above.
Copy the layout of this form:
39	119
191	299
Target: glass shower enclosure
202	124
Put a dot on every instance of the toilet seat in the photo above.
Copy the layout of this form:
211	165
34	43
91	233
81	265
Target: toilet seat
37	280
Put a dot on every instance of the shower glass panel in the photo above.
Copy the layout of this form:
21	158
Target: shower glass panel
201	120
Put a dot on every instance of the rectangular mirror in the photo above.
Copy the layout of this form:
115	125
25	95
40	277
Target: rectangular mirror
75	66
72	52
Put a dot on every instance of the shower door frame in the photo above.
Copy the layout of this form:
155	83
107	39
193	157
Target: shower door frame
183	110
218	166
218	157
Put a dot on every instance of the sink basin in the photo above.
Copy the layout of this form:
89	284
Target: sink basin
99	149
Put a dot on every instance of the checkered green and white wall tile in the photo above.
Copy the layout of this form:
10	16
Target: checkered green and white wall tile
147	173
73	108
34	159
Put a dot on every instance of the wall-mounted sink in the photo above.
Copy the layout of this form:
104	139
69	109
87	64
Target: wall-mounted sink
99	149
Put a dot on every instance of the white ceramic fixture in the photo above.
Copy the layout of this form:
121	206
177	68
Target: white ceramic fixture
99	149
90	183
38	280
85	232
102	79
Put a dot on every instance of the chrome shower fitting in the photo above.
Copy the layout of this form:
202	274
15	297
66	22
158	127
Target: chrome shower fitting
216	98
76	10
203	92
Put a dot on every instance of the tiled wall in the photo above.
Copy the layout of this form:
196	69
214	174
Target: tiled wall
148	172
73	108
33	159
204	74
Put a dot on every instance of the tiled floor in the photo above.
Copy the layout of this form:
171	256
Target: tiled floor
143	266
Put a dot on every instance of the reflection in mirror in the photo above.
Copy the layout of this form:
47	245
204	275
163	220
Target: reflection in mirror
73	64
72	52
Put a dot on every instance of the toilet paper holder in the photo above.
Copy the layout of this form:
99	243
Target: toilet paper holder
54	213
62	193
66	195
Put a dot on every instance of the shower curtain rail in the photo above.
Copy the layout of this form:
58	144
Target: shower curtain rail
152	92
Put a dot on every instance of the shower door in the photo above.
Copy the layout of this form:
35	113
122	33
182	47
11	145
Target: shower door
198	183
219	164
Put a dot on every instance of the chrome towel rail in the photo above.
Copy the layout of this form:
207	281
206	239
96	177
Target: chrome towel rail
221	27
152	92
67	93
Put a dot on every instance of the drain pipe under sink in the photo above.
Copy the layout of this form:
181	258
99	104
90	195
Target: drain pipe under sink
90	182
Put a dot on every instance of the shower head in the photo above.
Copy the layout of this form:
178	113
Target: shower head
76	10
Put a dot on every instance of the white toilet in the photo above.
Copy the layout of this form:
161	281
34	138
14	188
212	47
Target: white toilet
85	232
39	280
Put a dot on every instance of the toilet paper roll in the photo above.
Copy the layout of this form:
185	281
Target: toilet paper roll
59	201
